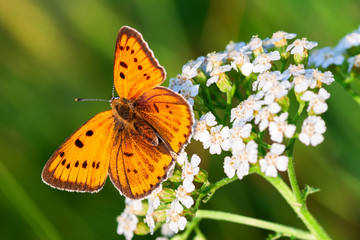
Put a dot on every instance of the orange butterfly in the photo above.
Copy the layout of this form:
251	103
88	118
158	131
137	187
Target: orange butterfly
134	142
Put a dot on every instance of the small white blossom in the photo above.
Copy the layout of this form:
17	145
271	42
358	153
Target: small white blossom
303	82
244	112
317	102
273	161
354	62
266	80
235	47
246	156
311	131
214	60
218	139
279	38
215	74
255	43
201	132
325	57
262	62
238	132
182	194
299	46
127	223
133	206
280	127
242	62
149	220
173	217
191	169
276	91
153	199
349	41
326	77
266	114
182	157
188	90
295	70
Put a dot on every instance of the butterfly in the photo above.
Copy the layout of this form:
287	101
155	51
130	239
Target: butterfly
137	141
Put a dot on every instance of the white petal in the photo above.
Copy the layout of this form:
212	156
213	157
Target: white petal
316	139
290	130
271	171
277	148
282	163
182	223
305	139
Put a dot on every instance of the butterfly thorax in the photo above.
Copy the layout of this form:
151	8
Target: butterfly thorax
128	119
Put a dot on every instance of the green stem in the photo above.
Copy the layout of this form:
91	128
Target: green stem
300	209
208	101
291	167
284	230
229	96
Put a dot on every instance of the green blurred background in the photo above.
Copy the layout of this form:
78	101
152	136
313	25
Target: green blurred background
52	52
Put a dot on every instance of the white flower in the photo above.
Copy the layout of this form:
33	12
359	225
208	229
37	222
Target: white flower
279	38
231	164
266	114
295	70
149	220
266	80
214	60
244	112
182	194
127	223
349	41
173	217
326	77
299	46
311	131
166	231
153	199
303	82
193	64
201	133
242	62
317	102
325	57
182	157
191	169
280	127
218	139
234	47
133	206
273	161
276	91
216	72
188	90
238	132
255	43
246	156
354	62
262	62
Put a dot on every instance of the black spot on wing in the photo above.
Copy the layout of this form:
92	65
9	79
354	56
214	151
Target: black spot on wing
123	64
78	143
89	133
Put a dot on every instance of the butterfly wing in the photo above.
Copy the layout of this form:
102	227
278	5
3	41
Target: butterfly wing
81	163
136	70
136	167
169	114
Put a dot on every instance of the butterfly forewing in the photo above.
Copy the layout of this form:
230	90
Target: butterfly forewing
81	163
136	70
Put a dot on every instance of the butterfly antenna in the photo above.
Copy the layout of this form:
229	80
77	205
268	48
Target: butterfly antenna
92	100
113	92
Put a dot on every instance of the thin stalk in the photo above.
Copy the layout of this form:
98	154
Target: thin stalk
300	209
230	217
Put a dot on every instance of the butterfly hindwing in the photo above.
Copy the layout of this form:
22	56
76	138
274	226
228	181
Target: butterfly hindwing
81	163
169	114
136	70
136	167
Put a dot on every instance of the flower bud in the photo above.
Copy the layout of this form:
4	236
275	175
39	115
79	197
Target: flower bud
224	83
202	176
142	229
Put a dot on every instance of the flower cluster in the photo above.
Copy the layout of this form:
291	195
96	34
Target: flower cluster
347	48
251	103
